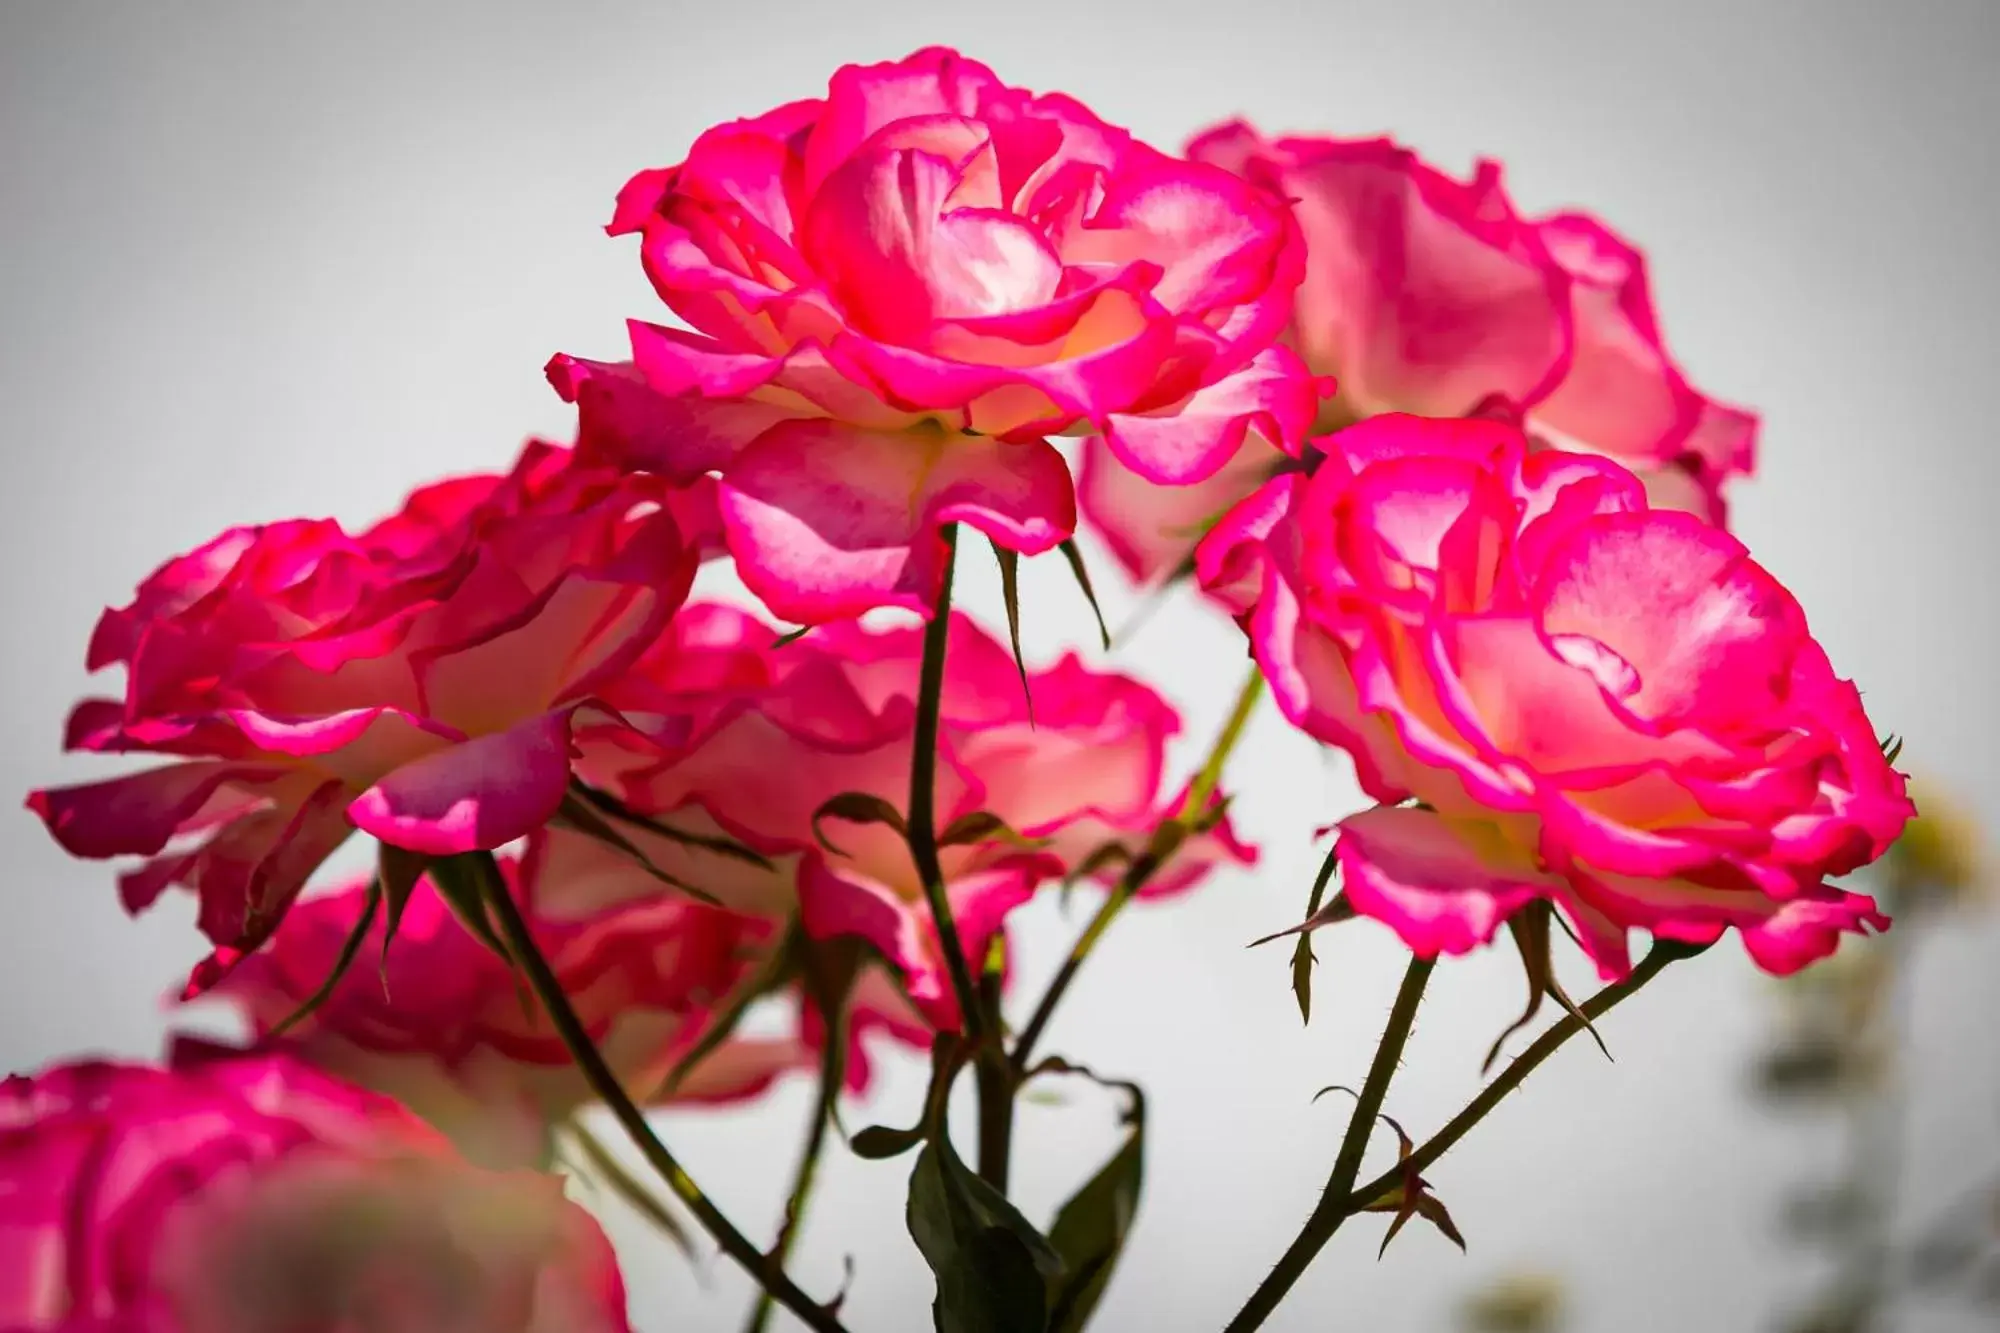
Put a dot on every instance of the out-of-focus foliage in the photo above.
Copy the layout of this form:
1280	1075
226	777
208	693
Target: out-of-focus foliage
1940	861
1517	1303
1839	1030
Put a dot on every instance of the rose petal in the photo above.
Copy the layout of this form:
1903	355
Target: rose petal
138	814
1191	440
475	796
827	521
1438	883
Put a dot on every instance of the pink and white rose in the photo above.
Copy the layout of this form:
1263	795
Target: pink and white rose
423	681
1434	296
1591	701
899	291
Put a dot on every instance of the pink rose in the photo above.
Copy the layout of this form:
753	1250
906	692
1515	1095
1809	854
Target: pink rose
419	681
252	1194
1431	295
1593	702
900	290
439	1023
835	712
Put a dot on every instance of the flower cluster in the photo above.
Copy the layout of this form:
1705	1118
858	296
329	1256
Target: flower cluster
1430	295
607	821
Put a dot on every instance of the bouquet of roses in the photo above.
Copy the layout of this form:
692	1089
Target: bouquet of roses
1430	455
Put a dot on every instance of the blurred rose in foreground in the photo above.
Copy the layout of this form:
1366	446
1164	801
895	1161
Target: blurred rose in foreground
253	1194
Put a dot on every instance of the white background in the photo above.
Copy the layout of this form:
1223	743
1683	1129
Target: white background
266	260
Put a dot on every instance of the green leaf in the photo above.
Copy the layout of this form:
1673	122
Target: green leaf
991	1286
1074	554
857	807
879	1142
581	816
1207	821
1010	593
457	882
985	826
1530	929
1335	912
1102	857
349	950
1090	1230
970	828
1419	1204
1303	959
398	871
792	636
607	804
993	1268
1409	1197
1892	747
1302	952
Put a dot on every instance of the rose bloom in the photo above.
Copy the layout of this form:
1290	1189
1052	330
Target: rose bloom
900	290
253	1194
775	732
419	681
1593	702
1432	295
440	1026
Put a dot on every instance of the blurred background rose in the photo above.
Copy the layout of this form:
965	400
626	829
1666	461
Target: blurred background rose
262	261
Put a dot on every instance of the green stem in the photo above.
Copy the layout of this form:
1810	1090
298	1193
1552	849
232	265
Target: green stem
1335	1204
1510	1078
995	1078
1136	875
608	1171
922	815
832	1073
605	1084
1210	777
1166	840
